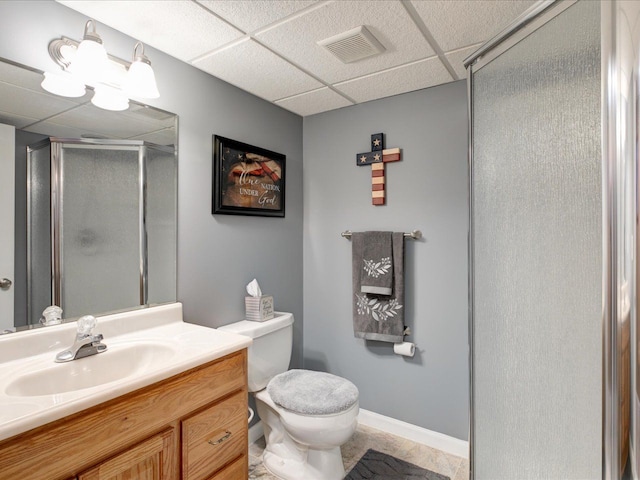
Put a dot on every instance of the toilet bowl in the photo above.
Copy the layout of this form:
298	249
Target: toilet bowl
307	416
302	446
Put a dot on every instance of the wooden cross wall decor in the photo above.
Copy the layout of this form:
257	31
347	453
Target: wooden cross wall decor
377	157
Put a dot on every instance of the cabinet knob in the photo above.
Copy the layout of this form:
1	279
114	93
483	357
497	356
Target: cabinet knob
221	439
5	284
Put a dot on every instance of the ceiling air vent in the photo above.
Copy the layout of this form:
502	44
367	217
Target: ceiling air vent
353	45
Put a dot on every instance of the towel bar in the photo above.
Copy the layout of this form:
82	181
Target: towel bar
416	234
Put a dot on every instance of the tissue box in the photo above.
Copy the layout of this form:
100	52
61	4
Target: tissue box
259	309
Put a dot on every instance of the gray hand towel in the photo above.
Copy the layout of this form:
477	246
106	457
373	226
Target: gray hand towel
377	317
376	273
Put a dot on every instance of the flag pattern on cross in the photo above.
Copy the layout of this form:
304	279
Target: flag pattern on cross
377	158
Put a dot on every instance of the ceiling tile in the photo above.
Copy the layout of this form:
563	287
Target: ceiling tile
387	20
317	101
21	76
156	118
415	76
260	72
182	29
26	79
61	131
249	15
457	57
460	23
26	102
114	124
18	121
166	136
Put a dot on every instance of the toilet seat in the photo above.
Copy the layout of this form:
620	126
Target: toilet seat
307	392
317	431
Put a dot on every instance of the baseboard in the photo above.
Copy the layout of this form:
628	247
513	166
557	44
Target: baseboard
255	432
414	433
437	440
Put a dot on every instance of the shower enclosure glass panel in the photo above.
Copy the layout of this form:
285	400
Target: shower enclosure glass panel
160	223
99	228
102	229
39	262
537	254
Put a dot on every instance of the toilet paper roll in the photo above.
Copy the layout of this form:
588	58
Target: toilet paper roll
405	348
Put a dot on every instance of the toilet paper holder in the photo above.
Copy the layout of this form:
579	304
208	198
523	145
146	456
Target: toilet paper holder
406	349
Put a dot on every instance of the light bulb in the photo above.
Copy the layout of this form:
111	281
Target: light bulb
91	62
109	98
63	84
141	81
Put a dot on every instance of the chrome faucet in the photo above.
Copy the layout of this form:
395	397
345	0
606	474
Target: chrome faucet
85	344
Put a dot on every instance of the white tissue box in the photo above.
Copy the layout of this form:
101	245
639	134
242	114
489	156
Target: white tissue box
259	309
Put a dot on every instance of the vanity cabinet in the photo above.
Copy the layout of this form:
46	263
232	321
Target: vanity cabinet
152	459
210	439
192	426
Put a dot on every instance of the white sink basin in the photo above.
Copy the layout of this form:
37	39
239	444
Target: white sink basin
118	362
145	346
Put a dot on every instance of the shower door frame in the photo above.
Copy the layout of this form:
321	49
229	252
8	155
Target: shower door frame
56	184
527	23
57	208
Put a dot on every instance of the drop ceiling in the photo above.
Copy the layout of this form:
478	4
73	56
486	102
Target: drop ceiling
25	105
270	47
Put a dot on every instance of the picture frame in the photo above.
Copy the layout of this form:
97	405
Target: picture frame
247	180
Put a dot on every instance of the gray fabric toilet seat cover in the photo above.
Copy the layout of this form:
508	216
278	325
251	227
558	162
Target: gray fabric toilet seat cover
312	393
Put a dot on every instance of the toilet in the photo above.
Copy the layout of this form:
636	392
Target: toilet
307	416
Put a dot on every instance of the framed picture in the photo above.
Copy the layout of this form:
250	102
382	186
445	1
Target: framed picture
247	180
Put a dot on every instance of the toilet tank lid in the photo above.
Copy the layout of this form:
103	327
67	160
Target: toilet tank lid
258	329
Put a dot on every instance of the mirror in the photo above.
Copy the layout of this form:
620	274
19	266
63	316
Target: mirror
94	203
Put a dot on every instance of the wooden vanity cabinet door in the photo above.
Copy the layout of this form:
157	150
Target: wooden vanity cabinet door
237	470
215	437
152	459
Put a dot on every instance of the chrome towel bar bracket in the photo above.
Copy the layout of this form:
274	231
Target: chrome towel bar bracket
415	235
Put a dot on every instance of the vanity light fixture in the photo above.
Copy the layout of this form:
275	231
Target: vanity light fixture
87	63
63	84
109	98
90	63
141	81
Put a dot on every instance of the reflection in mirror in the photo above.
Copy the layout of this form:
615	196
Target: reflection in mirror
91	225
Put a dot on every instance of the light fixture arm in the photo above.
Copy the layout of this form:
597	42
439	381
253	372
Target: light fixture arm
91	35
140	57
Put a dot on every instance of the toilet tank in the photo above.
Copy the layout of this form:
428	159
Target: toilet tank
270	352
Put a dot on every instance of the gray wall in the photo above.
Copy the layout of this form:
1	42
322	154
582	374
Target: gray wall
427	190
217	255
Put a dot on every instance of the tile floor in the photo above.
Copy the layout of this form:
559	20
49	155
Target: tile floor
456	468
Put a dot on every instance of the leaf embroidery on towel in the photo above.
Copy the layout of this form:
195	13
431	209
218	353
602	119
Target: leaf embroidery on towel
375	269
380	310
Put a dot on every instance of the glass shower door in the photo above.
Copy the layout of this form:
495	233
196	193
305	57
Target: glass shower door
160	206
40	280
536	253
99	228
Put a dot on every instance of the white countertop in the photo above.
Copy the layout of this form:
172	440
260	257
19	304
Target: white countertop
27	353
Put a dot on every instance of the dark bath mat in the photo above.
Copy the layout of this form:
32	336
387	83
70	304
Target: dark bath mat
375	465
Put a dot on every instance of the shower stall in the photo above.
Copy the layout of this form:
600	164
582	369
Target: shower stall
553	245
100	224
